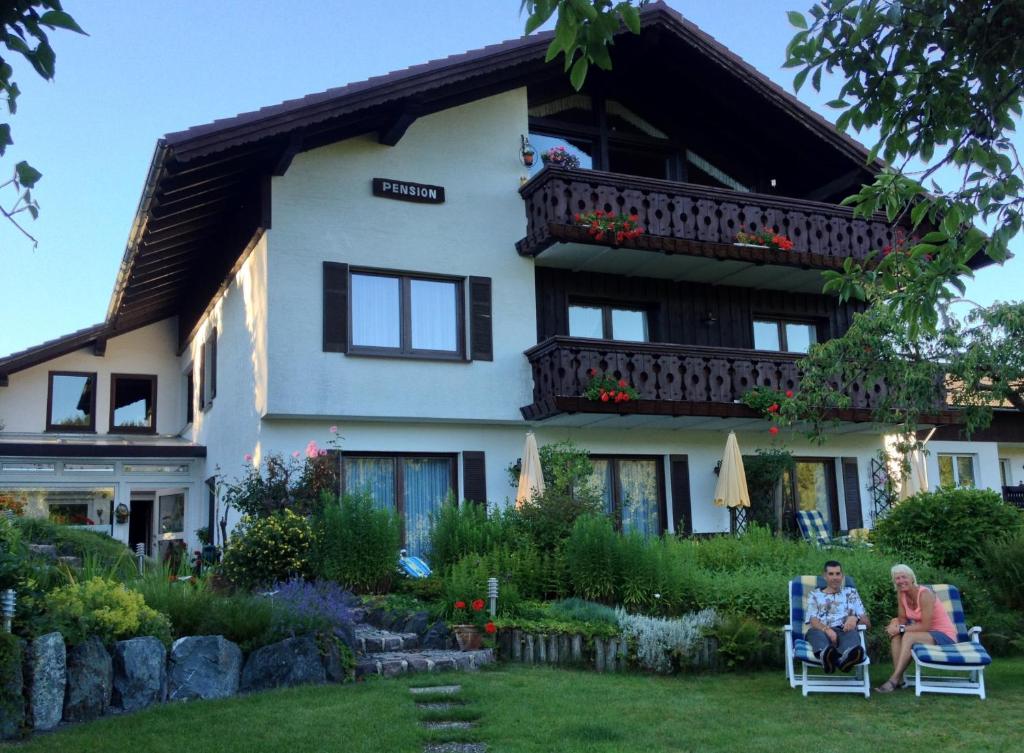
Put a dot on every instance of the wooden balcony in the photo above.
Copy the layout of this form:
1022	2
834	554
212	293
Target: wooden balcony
691	220
1014	495
674	380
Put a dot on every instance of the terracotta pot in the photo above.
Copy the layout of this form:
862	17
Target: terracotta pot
468	636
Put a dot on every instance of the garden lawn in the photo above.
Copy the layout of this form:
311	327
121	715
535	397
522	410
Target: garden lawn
537	709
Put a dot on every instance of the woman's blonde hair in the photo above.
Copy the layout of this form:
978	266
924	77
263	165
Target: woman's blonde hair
902	570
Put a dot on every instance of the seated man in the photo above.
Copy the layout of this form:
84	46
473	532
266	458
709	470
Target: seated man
833	613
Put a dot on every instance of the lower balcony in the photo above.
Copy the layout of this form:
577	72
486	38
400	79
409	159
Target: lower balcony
1014	495
672	381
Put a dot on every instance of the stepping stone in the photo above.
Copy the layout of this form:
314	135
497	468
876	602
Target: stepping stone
436	706
394	663
455	748
448	689
448	725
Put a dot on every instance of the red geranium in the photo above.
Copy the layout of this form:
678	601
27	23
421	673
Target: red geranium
460	605
490	628
478	604
774	430
789	393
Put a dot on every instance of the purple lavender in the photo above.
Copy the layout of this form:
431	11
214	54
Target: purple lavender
313	605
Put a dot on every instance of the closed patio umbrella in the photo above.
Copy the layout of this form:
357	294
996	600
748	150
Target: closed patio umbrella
915	479
731	489
531	478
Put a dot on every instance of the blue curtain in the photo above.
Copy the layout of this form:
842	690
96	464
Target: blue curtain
373	476
639	495
427	481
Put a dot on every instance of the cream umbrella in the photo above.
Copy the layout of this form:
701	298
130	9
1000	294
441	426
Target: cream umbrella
731	489
531	478
915	478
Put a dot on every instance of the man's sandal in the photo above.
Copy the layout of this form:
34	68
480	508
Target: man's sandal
887	687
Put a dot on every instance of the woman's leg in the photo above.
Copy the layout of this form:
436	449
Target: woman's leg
901	662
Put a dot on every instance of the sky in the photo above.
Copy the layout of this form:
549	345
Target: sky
150	67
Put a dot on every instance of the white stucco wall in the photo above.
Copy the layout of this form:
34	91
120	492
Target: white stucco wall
986	461
147	350
323	210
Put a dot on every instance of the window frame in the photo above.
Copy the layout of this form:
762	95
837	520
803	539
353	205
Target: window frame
405	348
659	463
607	307
396	458
831	490
956	468
780	325
111	428
60	428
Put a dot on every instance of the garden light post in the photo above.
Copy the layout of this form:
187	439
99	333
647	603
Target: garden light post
140	555
492	595
8	607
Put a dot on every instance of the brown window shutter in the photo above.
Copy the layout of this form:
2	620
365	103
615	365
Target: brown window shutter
213	363
335	307
474	478
681	509
851	494
202	378
481	340
335	456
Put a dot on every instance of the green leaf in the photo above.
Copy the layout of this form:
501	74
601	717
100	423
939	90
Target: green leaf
796	18
816	79
935	237
565	34
578	74
631	17
799	79
837	103
28	176
58	19
918	213
553	50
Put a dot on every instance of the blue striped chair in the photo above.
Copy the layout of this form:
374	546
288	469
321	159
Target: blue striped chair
799	650
814	528
413	566
965	657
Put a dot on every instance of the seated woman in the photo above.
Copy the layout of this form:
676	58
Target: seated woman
921	619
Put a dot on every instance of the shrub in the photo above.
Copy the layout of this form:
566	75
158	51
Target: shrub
946	527
744	643
357	544
1001	565
264	550
665	645
464	529
582	611
304	607
11	700
590	557
105	609
74	542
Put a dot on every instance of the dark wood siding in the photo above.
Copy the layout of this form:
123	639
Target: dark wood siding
678	312
851	494
474	477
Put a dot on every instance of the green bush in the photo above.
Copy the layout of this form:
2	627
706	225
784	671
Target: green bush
590	556
464	529
357	544
1001	566
73	542
744	643
12	704
105	609
583	611
268	549
946	527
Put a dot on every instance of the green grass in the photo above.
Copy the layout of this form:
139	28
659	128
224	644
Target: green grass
526	710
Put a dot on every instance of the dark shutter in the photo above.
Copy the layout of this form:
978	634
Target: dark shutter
202	378
851	494
681	494
474	479
481	345
213	363
211	507
335	307
335	456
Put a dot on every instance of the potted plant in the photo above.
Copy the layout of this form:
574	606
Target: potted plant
611	226
764	238
606	388
559	156
470	623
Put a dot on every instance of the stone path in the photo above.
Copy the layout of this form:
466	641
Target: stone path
381	652
442	746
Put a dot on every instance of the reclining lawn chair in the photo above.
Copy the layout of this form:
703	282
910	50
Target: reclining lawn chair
815	530
799	650
413	566
966	656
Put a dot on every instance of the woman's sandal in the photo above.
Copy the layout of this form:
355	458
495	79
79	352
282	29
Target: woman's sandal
887	687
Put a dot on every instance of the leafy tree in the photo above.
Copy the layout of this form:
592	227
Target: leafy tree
943	84
23	25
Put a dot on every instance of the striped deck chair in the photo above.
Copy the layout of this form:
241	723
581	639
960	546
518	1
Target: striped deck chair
965	657
799	650
815	530
413	566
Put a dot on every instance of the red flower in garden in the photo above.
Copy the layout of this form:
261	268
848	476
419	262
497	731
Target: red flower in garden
592	371
774	430
604	397
490	628
773	408
789	393
622	382
460	605
478	604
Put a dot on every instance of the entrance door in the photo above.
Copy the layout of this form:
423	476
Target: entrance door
140	524
812	486
170	527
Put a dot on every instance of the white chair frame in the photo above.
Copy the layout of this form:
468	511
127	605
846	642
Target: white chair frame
972	684
819	682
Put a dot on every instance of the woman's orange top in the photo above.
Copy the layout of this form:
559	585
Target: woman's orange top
940	617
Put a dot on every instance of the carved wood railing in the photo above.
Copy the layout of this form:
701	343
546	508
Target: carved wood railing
689	212
670	379
1014	495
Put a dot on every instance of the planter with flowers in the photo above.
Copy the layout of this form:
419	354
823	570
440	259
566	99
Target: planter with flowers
764	238
607	389
610	226
470	623
559	156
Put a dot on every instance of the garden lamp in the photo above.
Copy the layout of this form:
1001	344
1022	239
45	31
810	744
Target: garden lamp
140	554
492	595
7	602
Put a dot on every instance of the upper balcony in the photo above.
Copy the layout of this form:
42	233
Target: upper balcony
672	381
692	229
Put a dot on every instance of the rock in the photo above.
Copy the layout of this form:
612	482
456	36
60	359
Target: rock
47	551
346	634
203	666
70	561
418	623
47	676
140	673
438	636
90	676
294	661
12	700
330	657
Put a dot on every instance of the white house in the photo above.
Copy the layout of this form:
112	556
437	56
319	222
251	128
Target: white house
380	257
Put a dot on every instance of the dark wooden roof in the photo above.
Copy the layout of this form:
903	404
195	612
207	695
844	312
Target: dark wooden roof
206	198
94	336
1007	426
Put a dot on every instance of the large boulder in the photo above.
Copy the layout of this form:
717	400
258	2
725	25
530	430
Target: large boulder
418	623
47	676
203	666
12	700
140	673
294	661
438	637
90	675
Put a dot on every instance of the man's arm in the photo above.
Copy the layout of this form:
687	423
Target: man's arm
860	614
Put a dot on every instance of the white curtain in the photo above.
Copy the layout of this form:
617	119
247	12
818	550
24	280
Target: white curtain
602	481
433	315
373	476
427	482
376	311
639	495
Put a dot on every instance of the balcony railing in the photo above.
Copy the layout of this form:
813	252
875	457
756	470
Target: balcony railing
1014	495
673	380
686	218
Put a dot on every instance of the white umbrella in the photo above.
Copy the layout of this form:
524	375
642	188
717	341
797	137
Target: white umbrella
731	489
915	478
531	478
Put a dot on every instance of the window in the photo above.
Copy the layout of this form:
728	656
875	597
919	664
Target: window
190	395
606	322
414	487
812	486
1005	474
408	315
208	371
956	470
81	506
786	336
133	403
71	401
633	492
